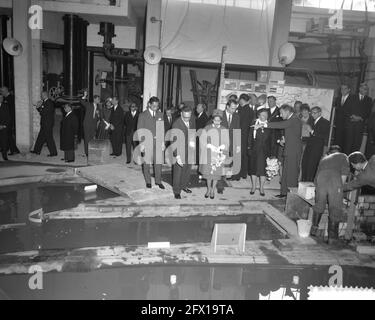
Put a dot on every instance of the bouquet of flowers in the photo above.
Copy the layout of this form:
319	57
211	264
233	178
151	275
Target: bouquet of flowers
272	168
216	160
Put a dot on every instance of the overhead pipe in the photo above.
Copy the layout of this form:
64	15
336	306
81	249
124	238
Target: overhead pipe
107	30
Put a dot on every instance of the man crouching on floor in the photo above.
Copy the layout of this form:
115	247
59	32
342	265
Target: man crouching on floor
331	175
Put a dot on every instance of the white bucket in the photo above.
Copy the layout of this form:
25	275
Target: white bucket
304	227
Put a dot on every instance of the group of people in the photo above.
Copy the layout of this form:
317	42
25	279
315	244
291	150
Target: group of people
102	122
249	131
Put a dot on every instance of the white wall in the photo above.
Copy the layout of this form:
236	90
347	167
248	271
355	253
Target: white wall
193	31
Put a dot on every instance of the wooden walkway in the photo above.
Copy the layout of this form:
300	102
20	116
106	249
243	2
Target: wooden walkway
125	181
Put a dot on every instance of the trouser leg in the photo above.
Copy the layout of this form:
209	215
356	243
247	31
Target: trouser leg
185	176
12	141
128	148
177	173
146	173
41	139
333	229
157	169
284	178
51	141
69	155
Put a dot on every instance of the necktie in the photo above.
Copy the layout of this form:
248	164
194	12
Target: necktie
169	119
153	114
94	111
342	101
187	124
230	119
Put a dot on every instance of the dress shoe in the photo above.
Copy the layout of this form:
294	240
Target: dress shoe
112	154
69	160
148	185
127	162
177	196
336	243
34	152
52	155
252	192
262	194
234	179
187	190
281	196
161	186
207	195
62	159
314	231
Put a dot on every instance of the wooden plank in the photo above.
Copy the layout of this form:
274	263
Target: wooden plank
368	250
124	181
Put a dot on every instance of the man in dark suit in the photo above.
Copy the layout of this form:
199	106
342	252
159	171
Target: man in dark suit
69	132
343	104
365	169
231	120
315	145
182	167
46	109
247	116
116	121
151	122
9	99
90	122
169	118
276	135
370	149
356	116
292	127
131	120
5	121
201	120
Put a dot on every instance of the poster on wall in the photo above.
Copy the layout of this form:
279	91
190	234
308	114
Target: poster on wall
289	94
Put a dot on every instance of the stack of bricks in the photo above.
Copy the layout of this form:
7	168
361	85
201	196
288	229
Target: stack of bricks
366	209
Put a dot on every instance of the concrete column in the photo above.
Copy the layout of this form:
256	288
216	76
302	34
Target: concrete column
22	76
370	51
36	75
151	72
280	34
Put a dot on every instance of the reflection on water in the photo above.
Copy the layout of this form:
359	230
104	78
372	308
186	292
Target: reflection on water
18	202
191	282
67	234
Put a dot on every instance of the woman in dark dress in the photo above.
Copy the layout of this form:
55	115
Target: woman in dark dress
259	148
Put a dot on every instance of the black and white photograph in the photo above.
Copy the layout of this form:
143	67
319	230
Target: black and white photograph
209	152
